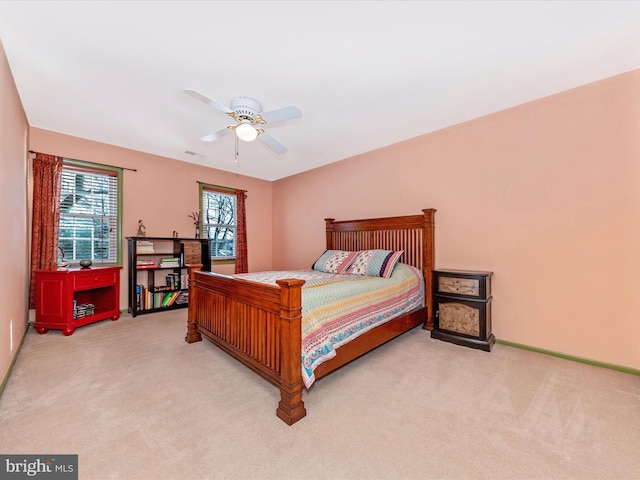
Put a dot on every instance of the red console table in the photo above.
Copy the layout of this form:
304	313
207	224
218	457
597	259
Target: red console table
66	299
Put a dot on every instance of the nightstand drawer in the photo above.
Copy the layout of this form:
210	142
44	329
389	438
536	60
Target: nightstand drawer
459	286
463	284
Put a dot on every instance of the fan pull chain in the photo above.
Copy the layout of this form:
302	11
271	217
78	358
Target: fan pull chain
236	157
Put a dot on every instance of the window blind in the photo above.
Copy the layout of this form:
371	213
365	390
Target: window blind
89	214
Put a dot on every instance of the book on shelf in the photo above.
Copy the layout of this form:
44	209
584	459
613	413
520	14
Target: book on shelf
183	297
146	266
173	281
170	262
163	299
157	297
142	293
144	246
169	298
162	288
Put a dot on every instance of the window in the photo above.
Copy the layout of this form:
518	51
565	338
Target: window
90	220
219	221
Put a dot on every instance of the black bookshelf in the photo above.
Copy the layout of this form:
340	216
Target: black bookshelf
158	271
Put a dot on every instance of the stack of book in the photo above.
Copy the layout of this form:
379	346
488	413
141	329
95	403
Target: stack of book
183	297
145	263
83	310
170	262
144	246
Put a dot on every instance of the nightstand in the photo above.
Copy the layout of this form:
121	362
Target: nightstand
462	306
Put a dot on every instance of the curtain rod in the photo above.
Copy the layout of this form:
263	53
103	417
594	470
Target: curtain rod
231	189
112	166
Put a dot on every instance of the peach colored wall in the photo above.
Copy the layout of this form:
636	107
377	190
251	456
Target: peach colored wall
546	195
14	219
162	192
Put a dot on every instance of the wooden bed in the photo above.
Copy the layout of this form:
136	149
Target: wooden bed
260	325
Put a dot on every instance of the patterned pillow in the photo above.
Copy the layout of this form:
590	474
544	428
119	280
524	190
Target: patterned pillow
334	261
375	263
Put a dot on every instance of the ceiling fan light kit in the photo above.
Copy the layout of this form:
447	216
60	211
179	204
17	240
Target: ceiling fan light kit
248	113
246	132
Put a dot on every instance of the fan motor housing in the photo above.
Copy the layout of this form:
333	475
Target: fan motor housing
246	107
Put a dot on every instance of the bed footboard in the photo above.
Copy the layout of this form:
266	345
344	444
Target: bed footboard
259	325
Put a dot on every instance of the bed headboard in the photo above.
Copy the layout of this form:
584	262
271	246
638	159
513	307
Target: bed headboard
412	233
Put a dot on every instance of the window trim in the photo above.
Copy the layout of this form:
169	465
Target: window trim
92	167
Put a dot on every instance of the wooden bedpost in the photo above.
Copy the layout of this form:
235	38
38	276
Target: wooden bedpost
428	256
192	333
329	232
291	407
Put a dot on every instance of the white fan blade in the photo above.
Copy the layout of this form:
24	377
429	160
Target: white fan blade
272	143
216	135
208	101
281	114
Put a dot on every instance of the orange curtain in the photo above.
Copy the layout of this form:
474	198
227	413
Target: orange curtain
47	174
242	264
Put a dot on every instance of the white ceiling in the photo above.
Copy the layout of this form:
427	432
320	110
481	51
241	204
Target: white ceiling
364	73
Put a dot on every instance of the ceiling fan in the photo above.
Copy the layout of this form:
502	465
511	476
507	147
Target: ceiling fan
248	113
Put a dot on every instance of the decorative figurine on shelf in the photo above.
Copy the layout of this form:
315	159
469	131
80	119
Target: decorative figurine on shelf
63	262
142	230
196	221
86	263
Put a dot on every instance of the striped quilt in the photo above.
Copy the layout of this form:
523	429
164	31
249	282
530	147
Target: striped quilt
338	308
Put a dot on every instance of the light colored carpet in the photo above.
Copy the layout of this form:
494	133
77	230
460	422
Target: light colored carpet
135	401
